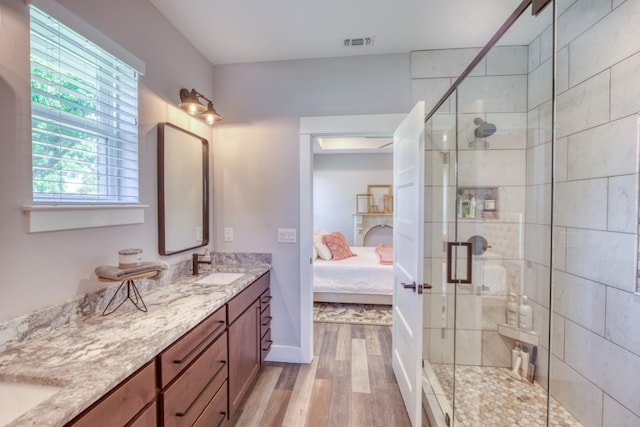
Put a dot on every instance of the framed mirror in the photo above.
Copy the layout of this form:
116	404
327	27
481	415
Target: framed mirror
183	187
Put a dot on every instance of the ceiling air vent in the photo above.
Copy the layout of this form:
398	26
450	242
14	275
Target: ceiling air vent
359	41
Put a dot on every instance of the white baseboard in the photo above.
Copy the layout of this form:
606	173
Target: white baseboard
284	353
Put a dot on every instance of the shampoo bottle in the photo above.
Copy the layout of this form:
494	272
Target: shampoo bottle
512	311
514	355
524	367
525	315
473	207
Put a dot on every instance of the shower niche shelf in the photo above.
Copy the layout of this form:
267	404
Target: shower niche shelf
516	334
486	199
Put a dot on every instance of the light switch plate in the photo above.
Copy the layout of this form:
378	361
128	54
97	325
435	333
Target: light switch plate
228	234
287	235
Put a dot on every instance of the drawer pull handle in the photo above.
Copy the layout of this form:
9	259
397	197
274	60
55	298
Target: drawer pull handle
197	348
186	411
224	415
268	321
269	342
266	299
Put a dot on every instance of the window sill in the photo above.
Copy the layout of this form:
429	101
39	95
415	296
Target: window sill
41	218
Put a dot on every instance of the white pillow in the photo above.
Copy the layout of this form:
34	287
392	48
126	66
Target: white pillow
322	249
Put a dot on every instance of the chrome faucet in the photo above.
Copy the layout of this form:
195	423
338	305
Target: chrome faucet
197	261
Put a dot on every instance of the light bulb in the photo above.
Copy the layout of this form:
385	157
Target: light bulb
193	109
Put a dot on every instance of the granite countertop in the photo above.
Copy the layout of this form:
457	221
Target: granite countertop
89	357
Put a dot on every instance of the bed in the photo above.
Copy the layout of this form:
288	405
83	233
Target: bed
360	279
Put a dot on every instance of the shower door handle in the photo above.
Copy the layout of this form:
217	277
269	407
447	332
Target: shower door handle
450	262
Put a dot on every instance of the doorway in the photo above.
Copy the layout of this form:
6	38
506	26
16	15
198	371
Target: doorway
382	125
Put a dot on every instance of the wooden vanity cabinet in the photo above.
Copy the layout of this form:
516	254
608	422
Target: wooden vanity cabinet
265	324
200	379
245	334
193	375
131	403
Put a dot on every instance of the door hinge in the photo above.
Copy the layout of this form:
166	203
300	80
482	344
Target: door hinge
447	419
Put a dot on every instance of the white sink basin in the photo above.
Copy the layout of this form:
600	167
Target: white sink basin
220	278
18	398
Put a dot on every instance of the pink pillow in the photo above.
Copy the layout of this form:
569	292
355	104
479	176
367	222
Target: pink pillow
337	245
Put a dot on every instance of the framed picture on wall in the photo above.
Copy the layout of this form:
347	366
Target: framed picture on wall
363	203
387	203
377	192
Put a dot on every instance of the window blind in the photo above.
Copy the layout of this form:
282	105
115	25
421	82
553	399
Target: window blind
84	118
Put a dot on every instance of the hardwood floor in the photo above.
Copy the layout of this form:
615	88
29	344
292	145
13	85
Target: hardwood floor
349	383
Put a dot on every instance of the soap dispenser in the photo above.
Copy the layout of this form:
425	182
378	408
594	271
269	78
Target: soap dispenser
525	315
473	207
512	311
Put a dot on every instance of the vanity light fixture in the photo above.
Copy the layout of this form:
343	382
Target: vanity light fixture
190	102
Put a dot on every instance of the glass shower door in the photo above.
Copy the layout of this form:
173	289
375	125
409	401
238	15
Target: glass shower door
488	234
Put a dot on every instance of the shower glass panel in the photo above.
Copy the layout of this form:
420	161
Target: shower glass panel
439	302
488	242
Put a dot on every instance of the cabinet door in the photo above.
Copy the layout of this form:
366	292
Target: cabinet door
244	351
123	403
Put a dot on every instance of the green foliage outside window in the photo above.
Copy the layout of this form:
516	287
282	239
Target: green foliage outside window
59	162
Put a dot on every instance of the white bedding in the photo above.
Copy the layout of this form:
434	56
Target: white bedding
359	274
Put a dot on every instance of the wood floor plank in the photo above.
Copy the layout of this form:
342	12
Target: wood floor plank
318	336
298	408
256	402
288	376
318	415
400	415
361	414
357	331
327	354
359	367
359	392
385	340
373	343
343	350
276	408
377	372
340	409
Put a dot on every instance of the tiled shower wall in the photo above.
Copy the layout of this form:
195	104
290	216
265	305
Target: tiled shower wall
595	342
595	362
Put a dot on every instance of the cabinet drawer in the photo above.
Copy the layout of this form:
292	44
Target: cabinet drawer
123	403
265	298
147	418
265	344
215	414
178	356
185	399
244	299
265	320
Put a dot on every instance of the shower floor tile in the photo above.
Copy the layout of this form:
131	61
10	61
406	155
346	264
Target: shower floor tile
490	397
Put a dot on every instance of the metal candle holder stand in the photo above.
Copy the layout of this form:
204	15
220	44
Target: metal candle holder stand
133	294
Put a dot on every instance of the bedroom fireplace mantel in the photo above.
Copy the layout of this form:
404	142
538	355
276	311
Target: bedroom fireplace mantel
363	223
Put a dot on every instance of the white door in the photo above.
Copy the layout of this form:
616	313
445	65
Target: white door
408	183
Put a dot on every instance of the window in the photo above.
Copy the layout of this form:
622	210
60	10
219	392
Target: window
84	119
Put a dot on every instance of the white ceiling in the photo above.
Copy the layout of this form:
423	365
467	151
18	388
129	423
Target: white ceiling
238	31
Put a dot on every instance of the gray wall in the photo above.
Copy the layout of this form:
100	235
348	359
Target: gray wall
256	154
254	151
337	178
47	268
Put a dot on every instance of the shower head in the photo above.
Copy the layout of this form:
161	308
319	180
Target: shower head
484	129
